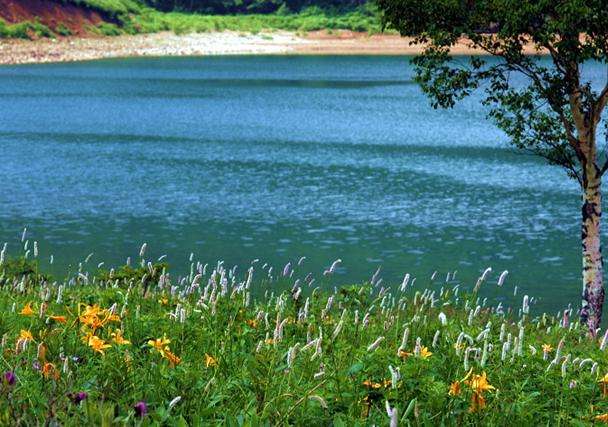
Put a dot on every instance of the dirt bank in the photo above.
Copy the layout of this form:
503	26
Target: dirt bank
52	14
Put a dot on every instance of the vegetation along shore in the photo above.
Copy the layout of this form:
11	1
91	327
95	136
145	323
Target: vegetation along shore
136	344
36	31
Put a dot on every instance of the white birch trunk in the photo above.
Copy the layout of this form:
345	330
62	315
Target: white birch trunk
593	289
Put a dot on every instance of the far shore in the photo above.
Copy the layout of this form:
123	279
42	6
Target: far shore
201	44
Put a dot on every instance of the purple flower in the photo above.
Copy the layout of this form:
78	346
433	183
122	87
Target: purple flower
10	378
78	397
141	408
36	365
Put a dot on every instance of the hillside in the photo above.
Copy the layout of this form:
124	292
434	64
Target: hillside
34	19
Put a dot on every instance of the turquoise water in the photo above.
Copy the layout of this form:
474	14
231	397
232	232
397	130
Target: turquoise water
237	158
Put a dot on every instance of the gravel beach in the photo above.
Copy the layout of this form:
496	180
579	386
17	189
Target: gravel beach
196	44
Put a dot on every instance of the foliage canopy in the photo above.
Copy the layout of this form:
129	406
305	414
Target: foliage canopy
553	111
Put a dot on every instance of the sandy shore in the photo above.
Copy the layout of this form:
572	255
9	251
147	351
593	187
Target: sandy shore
221	43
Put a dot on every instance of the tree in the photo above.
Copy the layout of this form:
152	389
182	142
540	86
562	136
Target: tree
551	111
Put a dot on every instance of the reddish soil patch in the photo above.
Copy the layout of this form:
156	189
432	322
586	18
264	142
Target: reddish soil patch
49	13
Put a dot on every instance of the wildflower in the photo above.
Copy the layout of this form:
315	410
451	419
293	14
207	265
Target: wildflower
403	354
392	414
502	277
269	341
174	402
171	357
23	339
425	353
97	344
547	348
27	310
604	382
141	409
159	343
479	384
210	361
371	384
395	375
459	346
58	319
25	335
163	301
9	378
319	399
454	388
118	338
49	371
76	398
90	311
252	323
373	346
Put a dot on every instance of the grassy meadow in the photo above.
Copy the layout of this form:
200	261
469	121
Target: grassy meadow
135	345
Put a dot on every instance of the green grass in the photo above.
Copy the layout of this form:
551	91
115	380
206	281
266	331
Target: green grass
24	30
236	368
154	21
131	18
110	8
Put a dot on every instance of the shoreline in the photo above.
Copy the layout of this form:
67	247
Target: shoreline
70	49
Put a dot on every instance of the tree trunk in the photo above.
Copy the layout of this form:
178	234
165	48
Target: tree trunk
593	263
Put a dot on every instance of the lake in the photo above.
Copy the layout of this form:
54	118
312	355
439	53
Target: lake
277	157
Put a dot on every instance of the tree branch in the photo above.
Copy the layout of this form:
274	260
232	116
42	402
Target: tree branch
602	100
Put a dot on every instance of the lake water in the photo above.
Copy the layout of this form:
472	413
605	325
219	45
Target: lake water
277	157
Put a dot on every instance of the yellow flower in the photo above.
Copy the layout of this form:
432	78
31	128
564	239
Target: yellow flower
603	418
97	344
477	402
454	388
371	384
425	353
479	384
604	382
25	336
159	343
95	317
27	310
547	348
163	301
269	341
252	322
60	319
118	338
91	310
210	361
